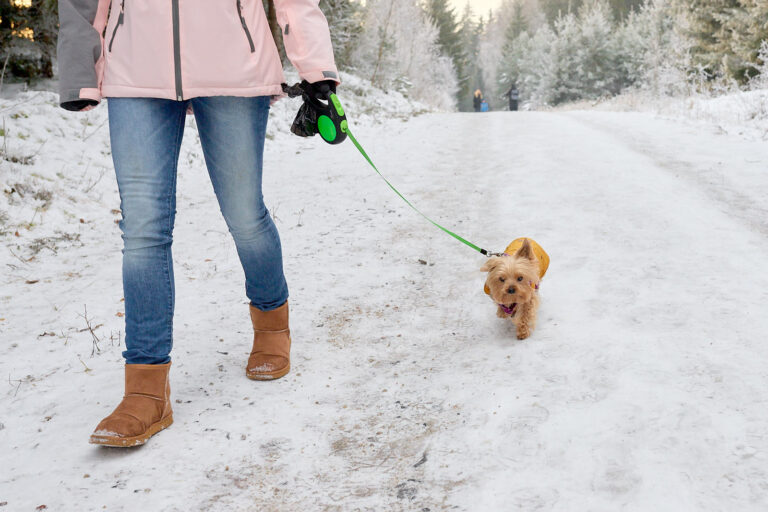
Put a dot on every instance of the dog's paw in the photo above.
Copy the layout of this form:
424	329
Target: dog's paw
523	332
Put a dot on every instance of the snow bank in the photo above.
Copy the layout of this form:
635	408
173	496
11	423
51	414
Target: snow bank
743	113
54	174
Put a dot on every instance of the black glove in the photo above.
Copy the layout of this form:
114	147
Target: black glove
305	124
78	105
320	90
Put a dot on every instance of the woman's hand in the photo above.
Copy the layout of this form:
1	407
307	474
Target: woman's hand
320	90
305	124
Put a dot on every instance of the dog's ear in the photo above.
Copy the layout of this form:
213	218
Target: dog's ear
491	264
526	251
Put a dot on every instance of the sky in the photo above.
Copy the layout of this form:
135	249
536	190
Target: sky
480	7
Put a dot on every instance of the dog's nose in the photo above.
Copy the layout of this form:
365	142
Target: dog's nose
511	289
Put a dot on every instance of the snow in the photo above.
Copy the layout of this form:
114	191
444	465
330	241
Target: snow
743	113
644	386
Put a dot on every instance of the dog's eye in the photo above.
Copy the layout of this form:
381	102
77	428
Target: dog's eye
520	278
501	279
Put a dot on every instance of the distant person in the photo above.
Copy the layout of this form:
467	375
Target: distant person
514	97
478	100
484	107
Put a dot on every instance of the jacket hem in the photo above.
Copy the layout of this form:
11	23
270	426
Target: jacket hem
124	91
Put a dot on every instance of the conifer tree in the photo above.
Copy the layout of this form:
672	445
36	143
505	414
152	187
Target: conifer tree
449	38
519	24
622	8
727	36
509	71
28	37
709	29
748	29
469	37
555	9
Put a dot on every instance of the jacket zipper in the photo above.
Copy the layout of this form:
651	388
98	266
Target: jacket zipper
176	49
245	25
120	19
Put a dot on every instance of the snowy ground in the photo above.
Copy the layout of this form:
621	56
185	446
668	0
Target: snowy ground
645	386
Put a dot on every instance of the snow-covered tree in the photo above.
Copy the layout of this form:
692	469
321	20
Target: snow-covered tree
539	67
603	47
595	59
489	58
470	31
619	9
555	9
712	48
654	51
518	24
398	48
727	35
345	22
496	41
748	27
443	17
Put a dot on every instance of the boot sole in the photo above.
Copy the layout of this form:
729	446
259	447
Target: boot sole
273	375
127	442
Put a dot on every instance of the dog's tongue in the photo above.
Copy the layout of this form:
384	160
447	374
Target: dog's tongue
509	310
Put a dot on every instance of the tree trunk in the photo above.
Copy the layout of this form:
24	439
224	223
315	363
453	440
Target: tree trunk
277	34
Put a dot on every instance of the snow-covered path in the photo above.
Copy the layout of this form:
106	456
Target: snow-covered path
645	386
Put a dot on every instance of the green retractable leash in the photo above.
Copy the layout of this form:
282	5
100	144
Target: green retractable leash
333	127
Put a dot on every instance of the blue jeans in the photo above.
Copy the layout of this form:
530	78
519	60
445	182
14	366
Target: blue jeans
146	138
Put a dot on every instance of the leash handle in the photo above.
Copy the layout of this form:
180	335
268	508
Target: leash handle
332	122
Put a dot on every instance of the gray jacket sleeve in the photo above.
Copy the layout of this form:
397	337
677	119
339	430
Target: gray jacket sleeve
79	49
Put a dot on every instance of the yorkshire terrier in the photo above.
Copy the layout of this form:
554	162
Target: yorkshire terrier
513	283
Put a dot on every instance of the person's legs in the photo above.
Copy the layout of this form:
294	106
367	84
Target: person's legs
146	136
232	132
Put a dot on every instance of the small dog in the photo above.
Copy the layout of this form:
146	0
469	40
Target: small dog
513	283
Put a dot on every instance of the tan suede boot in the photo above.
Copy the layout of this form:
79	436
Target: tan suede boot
144	411
271	355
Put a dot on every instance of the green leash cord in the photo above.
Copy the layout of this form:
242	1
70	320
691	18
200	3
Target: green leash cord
327	126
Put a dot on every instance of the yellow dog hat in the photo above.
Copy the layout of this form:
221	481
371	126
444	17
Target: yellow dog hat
540	254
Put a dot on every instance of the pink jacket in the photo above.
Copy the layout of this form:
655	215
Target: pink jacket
179	49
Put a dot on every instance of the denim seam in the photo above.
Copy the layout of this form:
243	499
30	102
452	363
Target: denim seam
171	218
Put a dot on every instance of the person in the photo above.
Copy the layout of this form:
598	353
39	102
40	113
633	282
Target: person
477	101
484	106
513	94
154	61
